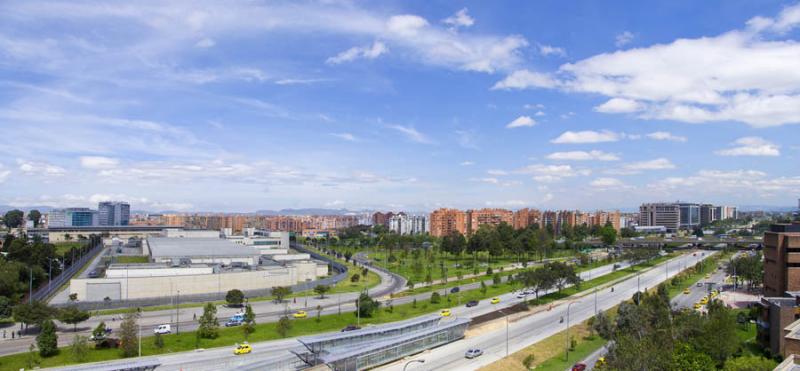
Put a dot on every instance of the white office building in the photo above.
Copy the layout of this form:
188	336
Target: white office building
409	224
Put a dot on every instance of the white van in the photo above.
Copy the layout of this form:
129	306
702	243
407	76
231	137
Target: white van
163	329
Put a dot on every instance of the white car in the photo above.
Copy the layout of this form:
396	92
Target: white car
163	329
472	353
522	295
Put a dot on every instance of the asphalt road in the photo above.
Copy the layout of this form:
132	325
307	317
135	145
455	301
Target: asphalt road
275	355
539	326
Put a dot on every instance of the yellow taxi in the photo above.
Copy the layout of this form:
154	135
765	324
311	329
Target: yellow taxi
495	300
704	300
445	312
708	276
300	314
697	305
686	291
600	362
243	348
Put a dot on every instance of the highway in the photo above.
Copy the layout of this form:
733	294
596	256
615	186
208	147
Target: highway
539	326
275	355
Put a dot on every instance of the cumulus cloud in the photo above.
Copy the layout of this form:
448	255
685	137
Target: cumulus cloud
522	121
638	167
663	135
411	133
460	19
345	136
552	173
740	75
98	162
547	50
750	182
40	168
751	146
587	136
359	52
593	155
607	183
623	39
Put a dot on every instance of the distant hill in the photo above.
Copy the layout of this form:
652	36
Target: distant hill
6	208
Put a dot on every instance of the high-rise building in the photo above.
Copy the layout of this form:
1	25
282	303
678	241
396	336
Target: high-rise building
782	259
667	215
446	221
708	214
477	218
402	223
690	215
72	217
110	213
525	217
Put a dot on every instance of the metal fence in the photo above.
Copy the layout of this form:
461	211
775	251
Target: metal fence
45	290
218	296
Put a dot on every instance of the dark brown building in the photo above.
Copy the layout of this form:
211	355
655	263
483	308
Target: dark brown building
782	259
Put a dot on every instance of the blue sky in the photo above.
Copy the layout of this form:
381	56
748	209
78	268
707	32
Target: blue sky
404	105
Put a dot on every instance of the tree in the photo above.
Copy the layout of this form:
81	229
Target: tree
496	279
14	219
367	305
608	235
99	332
5	307
32	314
47	340
249	325
602	325
73	315
321	290
436	298
79	348
748	363
429	279
685	357
280	292
129	341
483	288
235	298
410	284
34	216
720	341
284	326
319	313
209	325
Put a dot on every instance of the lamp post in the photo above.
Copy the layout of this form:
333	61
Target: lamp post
566	351
595	301
140	339
178	313
413	361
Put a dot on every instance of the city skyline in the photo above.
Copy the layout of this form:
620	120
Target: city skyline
398	106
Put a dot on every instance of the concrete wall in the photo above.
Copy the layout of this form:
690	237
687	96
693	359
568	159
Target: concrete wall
291	257
191	233
157	272
269	251
95	289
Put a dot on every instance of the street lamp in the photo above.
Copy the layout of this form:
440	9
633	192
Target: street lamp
566	351
413	361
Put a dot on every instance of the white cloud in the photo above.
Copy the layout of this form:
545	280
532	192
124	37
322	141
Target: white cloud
587	136
205	43
547	50
538	106
623	39
345	136
619	105
552	173
497	172
299	81
730	182
638	167
539	113
524	79
583	156
359	52
663	135
40	168
740	75
412	134
486	180
460	19
607	183
467	163
751	146
98	162
522	121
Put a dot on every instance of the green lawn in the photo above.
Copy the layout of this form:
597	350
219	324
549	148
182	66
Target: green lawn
64	247
308	326
130	259
585	347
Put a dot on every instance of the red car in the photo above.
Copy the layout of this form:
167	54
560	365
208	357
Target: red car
579	367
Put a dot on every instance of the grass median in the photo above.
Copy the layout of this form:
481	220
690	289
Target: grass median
268	331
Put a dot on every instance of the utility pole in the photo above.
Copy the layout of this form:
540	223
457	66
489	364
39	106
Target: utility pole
595	301
30	286
178	314
566	351
140	340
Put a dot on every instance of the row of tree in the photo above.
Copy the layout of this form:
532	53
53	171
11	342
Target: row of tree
747	268
648	335
16	218
548	276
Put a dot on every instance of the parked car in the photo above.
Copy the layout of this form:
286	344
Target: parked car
163	329
242	348
351	328
445	312
472	303
521	295
495	300
93	274
233	322
455	290
687	291
472	353
580	366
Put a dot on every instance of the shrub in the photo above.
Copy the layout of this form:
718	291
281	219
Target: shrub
528	361
435	298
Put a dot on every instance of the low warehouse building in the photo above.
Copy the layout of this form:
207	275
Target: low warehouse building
176	251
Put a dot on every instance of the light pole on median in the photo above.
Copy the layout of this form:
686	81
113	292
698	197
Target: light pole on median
413	361
566	351
595	301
